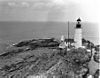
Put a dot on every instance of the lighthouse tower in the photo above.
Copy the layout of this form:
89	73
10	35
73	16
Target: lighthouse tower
78	34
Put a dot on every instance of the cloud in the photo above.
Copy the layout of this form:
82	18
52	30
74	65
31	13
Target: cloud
57	9
48	4
25	4
13	4
58	2
42	6
38	10
31	4
39	4
18	4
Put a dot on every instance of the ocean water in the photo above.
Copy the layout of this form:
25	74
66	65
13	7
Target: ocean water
16	31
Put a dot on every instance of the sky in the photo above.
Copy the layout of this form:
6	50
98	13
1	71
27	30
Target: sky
49	10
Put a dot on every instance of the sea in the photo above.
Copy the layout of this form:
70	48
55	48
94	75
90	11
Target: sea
13	32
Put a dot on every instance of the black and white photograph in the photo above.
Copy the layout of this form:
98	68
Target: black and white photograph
49	39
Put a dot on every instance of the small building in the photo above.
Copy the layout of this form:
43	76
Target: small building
63	43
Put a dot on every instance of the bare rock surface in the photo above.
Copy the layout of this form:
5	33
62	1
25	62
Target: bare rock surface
97	57
42	57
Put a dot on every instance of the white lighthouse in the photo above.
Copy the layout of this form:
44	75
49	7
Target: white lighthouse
78	34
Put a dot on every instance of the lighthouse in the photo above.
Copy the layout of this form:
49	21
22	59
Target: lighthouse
78	34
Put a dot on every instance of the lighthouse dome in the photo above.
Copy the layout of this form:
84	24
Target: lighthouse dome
78	25
78	19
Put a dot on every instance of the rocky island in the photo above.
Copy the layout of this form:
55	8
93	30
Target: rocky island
42	58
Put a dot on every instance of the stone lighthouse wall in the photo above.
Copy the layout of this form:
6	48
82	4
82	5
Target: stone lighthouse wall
78	37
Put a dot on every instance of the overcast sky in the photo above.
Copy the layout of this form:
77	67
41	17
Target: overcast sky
49	10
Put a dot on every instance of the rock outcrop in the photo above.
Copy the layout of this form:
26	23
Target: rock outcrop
42	57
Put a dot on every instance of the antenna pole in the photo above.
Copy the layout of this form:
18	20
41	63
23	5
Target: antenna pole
68	34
